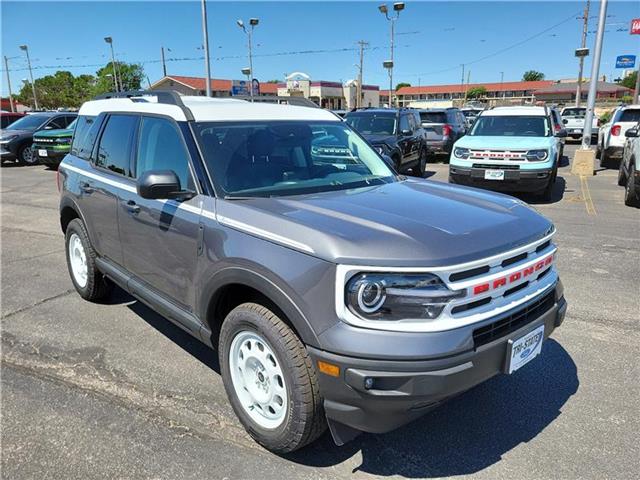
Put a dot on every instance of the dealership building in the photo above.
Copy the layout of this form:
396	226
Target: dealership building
219	88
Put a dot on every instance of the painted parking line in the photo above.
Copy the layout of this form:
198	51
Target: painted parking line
586	195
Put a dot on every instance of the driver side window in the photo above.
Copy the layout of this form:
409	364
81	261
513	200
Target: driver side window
160	147
404	123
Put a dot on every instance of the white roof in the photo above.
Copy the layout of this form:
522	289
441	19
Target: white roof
209	109
511	111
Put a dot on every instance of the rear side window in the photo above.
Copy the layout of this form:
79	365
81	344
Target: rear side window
161	148
57	123
630	115
114	151
84	136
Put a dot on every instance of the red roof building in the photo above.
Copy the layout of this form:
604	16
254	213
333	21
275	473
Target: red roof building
197	86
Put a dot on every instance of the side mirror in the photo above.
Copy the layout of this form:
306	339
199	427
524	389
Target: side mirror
48	127
406	133
159	185
632	133
562	133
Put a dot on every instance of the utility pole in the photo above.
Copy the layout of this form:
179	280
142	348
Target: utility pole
362	44
25	48
397	8
585	26
164	65
205	34
467	87
462	85
595	71
6	68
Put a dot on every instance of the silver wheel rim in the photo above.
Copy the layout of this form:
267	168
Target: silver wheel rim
27	155
78	260
258	379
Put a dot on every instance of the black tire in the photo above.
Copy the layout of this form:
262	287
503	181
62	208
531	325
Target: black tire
26	156
304	420
622	179
97	286
630	191
422	162
547	193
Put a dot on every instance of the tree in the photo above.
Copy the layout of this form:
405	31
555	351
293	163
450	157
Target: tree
64	90
130	76
476	92
532	76
402	84
630	80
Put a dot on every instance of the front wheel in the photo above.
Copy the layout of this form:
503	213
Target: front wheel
26	156
622	179
270	379
547	193
630	192
422	162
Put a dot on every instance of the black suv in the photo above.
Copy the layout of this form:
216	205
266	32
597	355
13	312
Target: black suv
395	133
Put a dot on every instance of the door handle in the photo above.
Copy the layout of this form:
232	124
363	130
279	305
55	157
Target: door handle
86	187
132	207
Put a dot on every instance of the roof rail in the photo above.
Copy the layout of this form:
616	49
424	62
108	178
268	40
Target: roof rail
168	97
296	101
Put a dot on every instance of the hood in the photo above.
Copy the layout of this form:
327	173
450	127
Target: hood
378	139
62	132
406	223
504	143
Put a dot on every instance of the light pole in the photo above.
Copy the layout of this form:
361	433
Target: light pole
397	8
593	82
253	22
205	34
585	18
6	68
25	48
109	40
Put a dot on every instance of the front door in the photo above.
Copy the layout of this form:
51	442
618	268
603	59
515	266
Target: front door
160	238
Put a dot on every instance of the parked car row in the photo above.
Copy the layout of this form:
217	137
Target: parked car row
628	172
17	138
611	136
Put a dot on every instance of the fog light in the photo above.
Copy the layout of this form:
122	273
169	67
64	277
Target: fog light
368	383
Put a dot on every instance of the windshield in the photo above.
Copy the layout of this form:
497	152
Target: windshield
510	126
433	117
372	123
574	112
265	159
29	122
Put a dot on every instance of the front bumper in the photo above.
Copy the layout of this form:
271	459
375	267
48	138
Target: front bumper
53	157
6	153
514	180
403	390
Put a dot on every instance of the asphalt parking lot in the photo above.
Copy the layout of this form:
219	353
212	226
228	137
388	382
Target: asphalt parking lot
116	391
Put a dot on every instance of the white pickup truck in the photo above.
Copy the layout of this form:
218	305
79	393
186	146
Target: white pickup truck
573	120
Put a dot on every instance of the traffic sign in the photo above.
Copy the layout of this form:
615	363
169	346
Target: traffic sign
582	52
625	61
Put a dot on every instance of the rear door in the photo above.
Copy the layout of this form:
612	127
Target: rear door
160	237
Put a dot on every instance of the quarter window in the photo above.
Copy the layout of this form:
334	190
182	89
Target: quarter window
84	137
114	152
161	148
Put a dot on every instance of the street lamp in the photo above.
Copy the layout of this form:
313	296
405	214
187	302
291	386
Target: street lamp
253	22
397	8
109	40
25	48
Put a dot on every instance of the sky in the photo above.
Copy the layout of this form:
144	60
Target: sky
432	38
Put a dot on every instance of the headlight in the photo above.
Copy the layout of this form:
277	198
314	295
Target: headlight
8	139
461	153
387	296
537	155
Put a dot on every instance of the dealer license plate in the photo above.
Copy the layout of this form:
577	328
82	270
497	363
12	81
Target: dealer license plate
524	349
494	174
576	130
42	152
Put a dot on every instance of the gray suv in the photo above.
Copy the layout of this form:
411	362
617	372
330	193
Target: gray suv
337	293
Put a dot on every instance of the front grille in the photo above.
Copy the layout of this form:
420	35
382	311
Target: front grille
514	321
501	167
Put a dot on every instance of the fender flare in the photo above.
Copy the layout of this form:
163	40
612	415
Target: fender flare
263	284
67	202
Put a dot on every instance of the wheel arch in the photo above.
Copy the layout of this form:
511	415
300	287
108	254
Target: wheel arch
234	286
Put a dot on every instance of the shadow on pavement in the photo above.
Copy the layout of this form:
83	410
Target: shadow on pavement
465	435
558	193
469	433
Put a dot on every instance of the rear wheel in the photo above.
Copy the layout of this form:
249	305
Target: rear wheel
422	162
87	279
269	379
630	191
